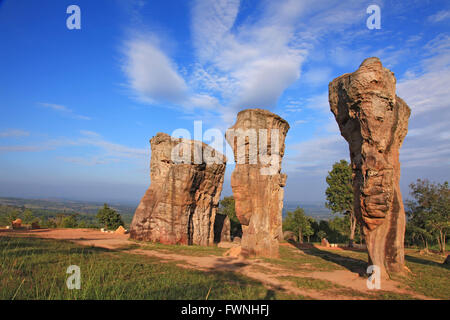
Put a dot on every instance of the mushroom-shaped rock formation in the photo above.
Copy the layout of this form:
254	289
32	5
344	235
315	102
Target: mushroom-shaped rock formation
257	139
374	121
181	203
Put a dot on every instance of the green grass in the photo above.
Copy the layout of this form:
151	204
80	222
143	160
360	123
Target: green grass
336	289
192	250
310	283
32	268
319	260
430	277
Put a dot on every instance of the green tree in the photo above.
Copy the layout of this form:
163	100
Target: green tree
69	221
321	234
429	211
339	194
298	223
28	217
13	215
415	233
339	229
226	207
109	218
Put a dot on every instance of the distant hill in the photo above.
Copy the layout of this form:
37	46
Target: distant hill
68	206
316	209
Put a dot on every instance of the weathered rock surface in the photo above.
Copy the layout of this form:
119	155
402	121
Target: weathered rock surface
235	252
222	228
325	243
257	181
374	121
181	204
17	223
120	230
447	260
225	235
289	236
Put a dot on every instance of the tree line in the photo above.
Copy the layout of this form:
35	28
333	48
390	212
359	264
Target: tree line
106	218
427	213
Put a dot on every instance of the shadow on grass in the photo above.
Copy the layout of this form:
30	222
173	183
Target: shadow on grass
426	262
354	265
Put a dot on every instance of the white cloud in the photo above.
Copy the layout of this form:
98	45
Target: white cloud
249	65
439	16
14	133
37	147
212	21
317	76
298	122
151	73
109	150
238	63
89	161
63	110
428	92
316	156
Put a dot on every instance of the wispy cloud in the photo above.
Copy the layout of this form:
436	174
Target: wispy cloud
109	148
14	133
37	147
63	110
89	161
246	66
316	156
237	64
154	78
107	151
151	73
439	16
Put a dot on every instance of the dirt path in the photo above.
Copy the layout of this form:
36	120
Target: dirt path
256	269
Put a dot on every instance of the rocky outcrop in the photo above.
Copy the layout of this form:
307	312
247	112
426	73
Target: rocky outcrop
289	236
447	260
257	139
225	235
17	223
181	204
374	121
325	243
120	230
222	228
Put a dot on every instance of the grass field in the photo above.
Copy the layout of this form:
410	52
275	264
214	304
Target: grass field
33	268
430	277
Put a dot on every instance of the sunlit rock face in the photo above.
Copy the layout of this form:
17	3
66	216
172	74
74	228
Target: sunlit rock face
257	181
181	203
374	121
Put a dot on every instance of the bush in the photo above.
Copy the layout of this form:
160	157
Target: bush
109	218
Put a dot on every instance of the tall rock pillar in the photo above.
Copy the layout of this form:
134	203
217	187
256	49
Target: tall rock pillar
181	203
374	121
257	139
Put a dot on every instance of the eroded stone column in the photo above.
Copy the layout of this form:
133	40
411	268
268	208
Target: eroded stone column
181	203
374	121
257	139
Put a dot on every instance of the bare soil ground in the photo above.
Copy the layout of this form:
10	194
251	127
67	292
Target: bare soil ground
340	284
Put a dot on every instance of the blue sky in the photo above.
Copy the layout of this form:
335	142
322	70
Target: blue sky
78	107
